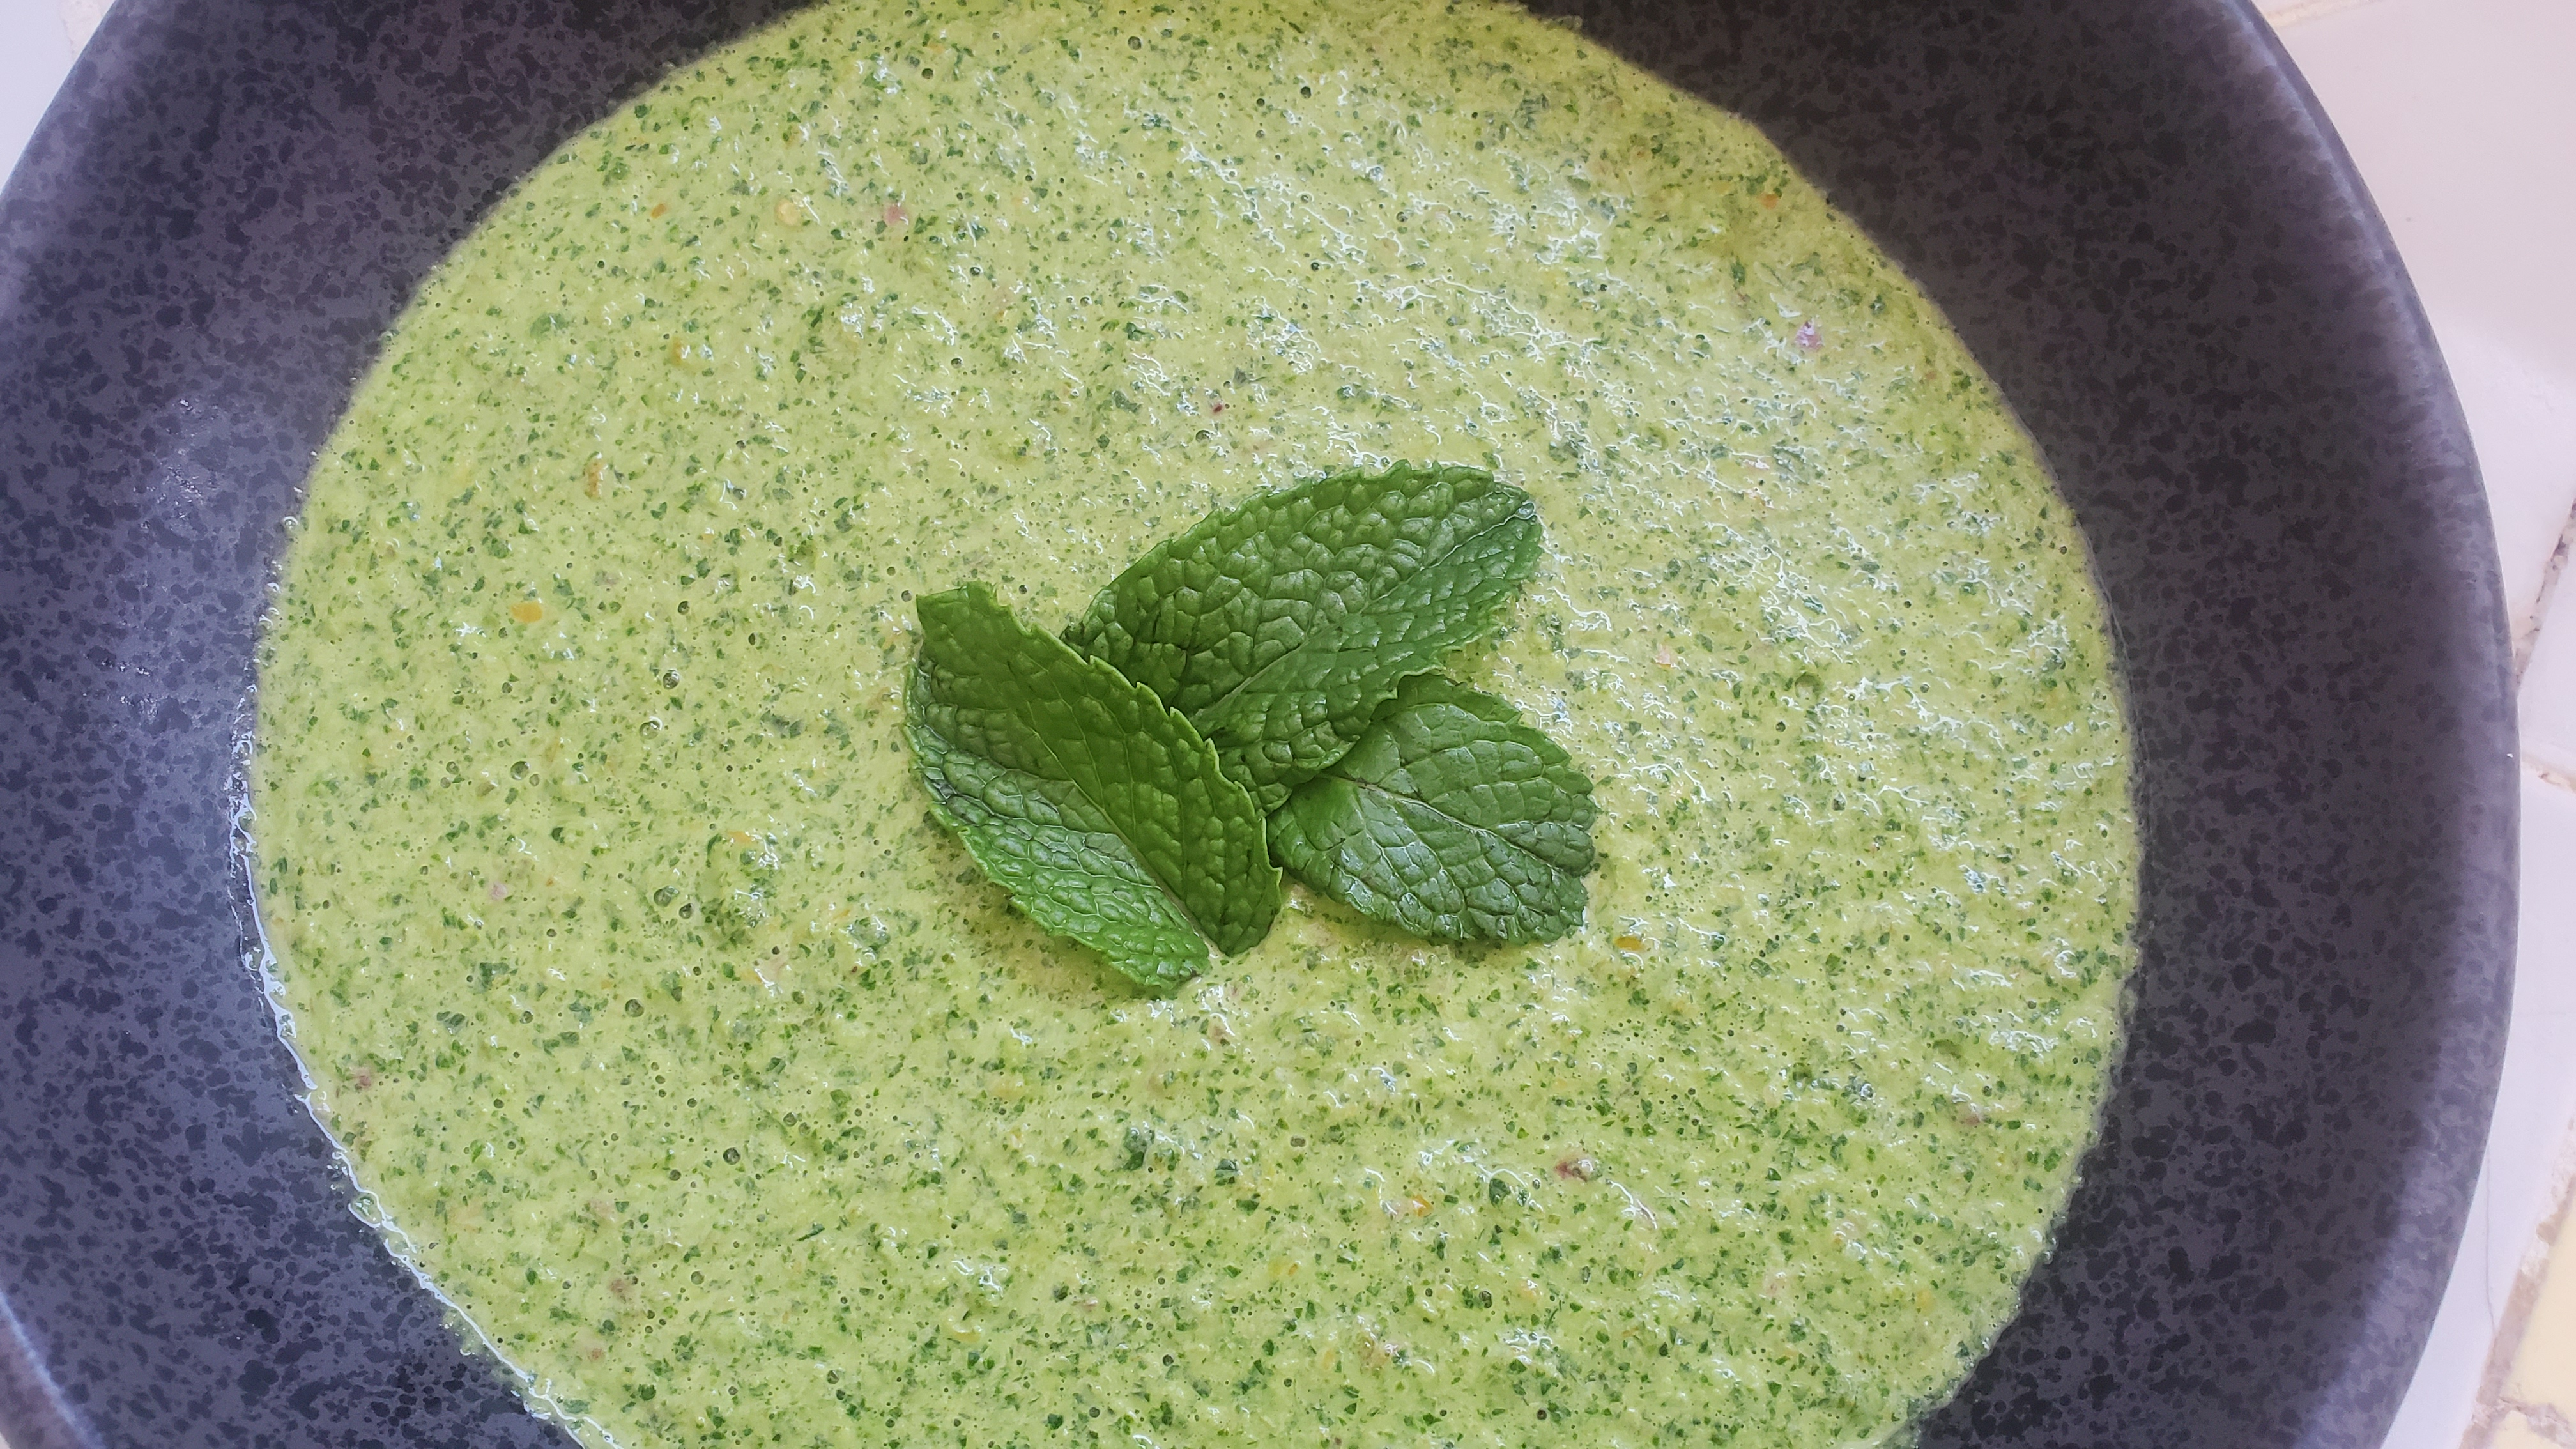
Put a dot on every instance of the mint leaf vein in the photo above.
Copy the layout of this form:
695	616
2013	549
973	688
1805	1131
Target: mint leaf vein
1102	812
1281	625
1448	817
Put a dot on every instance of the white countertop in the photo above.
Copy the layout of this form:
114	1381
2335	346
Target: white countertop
2462	117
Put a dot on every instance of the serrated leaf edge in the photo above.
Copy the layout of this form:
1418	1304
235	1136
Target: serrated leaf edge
1546	742
1190	738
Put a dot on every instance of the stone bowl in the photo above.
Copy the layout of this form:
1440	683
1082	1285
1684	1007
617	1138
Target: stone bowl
2133	212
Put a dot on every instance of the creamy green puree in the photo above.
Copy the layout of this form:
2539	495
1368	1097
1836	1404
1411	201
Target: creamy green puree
721	1094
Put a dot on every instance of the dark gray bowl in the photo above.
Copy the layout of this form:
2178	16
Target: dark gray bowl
2133	212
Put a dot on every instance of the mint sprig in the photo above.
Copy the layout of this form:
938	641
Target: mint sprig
1103	813
1450	818
1281	625
1273	661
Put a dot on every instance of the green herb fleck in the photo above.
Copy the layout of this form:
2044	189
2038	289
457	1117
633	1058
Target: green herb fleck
1450	818
1103	813
1280	626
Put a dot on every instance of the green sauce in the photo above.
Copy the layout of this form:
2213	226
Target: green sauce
716	1089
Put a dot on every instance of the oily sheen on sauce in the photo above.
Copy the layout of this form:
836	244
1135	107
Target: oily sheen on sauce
678	1048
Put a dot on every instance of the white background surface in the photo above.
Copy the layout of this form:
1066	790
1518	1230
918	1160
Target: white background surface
35	50
2462	117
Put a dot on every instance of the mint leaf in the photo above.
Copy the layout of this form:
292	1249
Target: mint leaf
1103	813
1450	818
1281	625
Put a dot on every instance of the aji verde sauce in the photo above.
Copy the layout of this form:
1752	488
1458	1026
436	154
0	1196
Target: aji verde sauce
713	1085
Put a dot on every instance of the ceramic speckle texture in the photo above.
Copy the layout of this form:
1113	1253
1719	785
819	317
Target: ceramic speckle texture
2133	217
